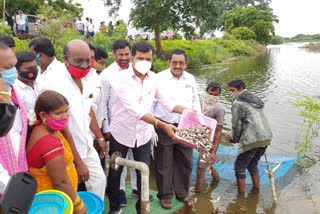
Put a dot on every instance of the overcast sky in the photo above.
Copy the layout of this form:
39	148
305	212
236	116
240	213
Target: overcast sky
296	16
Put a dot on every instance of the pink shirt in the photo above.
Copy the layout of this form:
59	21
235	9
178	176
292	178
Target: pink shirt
132	100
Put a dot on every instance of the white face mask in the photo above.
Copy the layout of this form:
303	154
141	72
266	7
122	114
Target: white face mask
209	103
143	67
234	95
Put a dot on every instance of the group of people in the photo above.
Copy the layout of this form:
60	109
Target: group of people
85	27
20	20
65	112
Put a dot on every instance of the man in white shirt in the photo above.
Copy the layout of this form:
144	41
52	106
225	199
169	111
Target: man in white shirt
80	26
76	83
122	54
27	74
44	51
49	70
90	29
22	22
173	159
86	25
131	123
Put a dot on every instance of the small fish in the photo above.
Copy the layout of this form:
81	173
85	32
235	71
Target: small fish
216	200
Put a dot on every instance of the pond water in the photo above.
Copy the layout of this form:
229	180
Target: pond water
273	76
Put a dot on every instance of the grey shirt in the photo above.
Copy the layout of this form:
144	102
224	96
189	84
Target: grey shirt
217	114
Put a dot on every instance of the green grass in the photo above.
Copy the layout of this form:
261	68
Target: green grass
155	206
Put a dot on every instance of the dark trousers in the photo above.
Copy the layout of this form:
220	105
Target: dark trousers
141	154
248	160
173	162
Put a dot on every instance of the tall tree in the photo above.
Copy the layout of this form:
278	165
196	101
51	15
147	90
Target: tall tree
259	21
159	15
32	6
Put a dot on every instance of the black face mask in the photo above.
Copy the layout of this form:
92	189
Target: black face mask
30	75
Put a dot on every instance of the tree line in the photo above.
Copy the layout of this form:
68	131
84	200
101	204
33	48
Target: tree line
187	15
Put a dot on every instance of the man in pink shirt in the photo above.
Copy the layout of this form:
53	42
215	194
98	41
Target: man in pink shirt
131	124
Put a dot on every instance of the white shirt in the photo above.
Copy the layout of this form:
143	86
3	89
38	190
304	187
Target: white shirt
53	69
107	91
79	25
79	106
15	135
4	179
90	27
27	94
21	20
133	99
86	23
98	98
183	91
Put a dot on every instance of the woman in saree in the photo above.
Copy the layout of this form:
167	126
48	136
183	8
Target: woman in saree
49	156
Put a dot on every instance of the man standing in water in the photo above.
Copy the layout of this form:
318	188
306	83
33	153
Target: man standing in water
250	129
211	108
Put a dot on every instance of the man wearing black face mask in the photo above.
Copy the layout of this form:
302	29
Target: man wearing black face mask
26	85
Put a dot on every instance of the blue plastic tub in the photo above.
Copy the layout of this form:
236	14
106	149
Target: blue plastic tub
48	203
94	203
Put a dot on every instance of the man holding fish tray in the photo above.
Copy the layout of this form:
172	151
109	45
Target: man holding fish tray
173	159
131	126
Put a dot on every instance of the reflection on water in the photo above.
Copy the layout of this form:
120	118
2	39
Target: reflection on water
283	69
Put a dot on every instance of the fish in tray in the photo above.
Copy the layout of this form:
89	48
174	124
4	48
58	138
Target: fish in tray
200	136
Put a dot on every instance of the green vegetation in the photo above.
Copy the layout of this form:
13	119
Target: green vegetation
243	33
33	6
313	46
52	28
303	38
311	123
200	52
254	23
204	52
277	40
5	30
187	15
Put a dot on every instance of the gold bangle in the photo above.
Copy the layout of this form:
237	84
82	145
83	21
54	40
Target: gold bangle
78	207
76	201
6	93
156	123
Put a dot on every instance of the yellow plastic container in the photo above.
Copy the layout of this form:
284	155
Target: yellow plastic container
69	209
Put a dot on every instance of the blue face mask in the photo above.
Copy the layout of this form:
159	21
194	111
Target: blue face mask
9	76
37	59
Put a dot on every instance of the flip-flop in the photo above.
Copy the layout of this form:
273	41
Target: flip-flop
188	201
166	203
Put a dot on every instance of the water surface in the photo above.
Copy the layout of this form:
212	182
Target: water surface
273	76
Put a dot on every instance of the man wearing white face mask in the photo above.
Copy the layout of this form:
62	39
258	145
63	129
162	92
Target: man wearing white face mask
131	125
211	108
174	160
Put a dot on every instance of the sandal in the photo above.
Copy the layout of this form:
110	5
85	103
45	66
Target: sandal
166	203
188	201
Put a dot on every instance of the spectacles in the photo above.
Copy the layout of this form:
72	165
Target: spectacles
174	63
